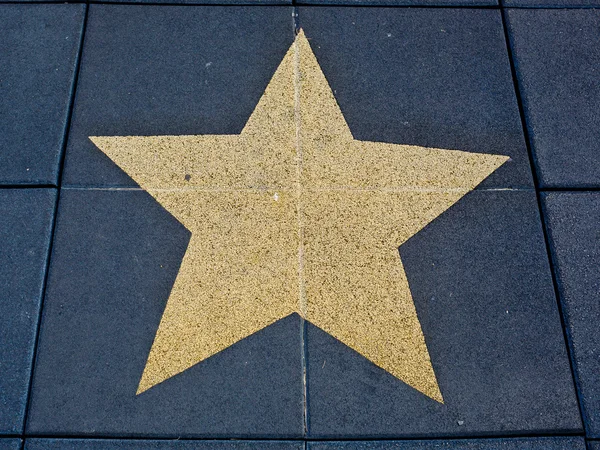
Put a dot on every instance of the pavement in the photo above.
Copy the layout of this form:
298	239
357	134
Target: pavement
325	225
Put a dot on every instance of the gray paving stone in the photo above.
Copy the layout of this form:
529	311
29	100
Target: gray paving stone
116	444
26	218
10	444
551	3
209	2
574	229
38	53
156	70
557	55
401	2
553	443
116	254
431	77
481	283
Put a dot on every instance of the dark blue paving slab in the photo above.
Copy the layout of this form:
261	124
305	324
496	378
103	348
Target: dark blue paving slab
573	229
10	444
552	443
593	445
156	70
481	283
557	55
400	2
209	2
551	3
115	257
24	240
115	444
430	77
39	48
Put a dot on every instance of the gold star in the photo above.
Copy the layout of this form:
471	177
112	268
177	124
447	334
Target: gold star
294	215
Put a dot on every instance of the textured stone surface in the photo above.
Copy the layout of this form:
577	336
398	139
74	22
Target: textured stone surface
481	284
574	231
116	254
557	55
554	443
38	53
551	3
26	218
10	444
196	2
169	70
435	78
115	444
209	2
400	2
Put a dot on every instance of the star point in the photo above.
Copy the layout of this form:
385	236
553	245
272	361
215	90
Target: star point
294	215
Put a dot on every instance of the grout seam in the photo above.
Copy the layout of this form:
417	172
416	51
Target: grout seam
544	227
54	221
282	189
27	186
299	192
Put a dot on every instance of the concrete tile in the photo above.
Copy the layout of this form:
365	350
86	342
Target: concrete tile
34	1
593	445
428	77
116	256
39	50
24	240
10	444
400	2
480	281
169	70
211	2
552	443
557	55
551	3
572	221
146	444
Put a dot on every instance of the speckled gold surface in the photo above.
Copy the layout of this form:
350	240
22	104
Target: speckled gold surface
294	215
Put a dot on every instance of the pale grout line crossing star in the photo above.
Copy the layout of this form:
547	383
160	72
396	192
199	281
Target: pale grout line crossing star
299	162
294	215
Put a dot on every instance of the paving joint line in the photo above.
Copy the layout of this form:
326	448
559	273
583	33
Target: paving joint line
28	186
549	254
279	188
66	132
299	189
